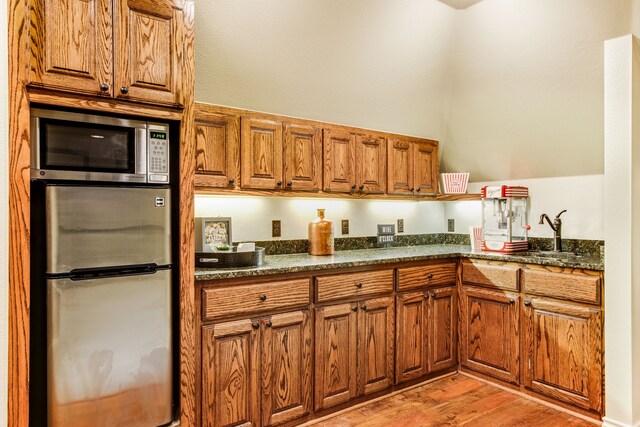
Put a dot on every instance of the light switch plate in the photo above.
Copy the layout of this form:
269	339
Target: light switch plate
276	228
401	226
345	226
451	225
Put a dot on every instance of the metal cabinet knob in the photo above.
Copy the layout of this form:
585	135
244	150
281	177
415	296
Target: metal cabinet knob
279	183
512	301
418	190
104	87
353	187
429	276
426	295
263	297
411	189
527	302
124	90
354	308
359	285
232	181
289	183
433	295
363	307
269	324
255	325
362	187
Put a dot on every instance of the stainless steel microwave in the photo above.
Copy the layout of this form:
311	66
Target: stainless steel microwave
87	147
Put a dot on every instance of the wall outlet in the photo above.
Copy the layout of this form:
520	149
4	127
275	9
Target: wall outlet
276	228
401	226
451	225
345	226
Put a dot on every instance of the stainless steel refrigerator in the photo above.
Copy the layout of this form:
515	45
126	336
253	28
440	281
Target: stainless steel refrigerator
109	337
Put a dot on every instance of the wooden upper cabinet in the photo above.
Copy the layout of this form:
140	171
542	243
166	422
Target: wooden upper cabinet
371	164
261	154
130	49
339	160
302	157
489	340
230	374
336	355
400	167
425	167
72	45
148	52
286	367
563	345
217	150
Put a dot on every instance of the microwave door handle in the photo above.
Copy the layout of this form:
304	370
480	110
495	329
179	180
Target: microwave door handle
141	140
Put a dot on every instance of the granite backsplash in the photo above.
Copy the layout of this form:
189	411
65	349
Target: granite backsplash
284	247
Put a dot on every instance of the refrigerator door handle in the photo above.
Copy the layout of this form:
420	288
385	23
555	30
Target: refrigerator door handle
96	273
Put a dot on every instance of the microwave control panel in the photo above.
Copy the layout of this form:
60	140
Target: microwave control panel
158	149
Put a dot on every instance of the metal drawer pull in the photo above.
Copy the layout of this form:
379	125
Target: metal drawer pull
359	285
527	302
512	301
354	308
426	295
269	324
429	276
255	325
433	295
263	297
364	307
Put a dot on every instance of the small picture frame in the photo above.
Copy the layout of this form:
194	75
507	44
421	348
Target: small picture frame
215	232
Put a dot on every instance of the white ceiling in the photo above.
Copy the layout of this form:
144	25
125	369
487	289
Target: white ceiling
460	4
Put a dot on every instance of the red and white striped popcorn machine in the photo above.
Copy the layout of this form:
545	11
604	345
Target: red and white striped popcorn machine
505	218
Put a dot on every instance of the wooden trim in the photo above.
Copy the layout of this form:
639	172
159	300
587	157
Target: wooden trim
188	340
320	194
457	197
19	214
106	105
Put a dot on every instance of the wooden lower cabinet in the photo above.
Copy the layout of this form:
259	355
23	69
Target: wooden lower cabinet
354	350
426	333
257	372
563	345
489	339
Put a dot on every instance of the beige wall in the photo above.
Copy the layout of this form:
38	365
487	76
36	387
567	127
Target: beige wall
4	214
527	94
376	64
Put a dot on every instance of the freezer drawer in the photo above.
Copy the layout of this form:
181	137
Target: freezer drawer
93	227
109	351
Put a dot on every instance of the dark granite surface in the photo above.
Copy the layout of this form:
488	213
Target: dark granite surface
292	263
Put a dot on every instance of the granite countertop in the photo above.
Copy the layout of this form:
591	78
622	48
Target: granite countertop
277	264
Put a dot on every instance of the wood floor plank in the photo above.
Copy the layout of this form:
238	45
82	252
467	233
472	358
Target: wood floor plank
457	400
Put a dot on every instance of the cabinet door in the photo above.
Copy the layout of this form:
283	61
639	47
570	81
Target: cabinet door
286	367
148	52
371	164
564	352
339	161
335	366
230	393
302	157
72	45
217	150
261	148
442	331
411	336
375	345
400	167
489	333
425	167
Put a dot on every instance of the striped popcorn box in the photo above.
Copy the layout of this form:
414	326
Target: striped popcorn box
475	235
455	183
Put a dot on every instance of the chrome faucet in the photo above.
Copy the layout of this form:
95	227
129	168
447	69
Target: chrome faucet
556	226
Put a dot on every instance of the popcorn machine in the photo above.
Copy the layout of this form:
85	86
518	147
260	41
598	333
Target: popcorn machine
505	223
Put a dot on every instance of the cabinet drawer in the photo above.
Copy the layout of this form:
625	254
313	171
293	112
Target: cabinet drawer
498	276
338	286
426	275
248	299
579	285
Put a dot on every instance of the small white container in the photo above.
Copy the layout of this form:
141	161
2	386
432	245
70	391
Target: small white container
455	183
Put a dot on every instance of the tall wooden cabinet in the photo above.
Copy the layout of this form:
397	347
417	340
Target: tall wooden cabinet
127	49
354	350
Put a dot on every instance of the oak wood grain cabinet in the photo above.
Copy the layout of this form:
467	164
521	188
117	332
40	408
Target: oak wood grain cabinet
563	345
354	350
217	150
257	371
339	160
261	153
302	157
412	167
489	336
371	164
426	332
127	49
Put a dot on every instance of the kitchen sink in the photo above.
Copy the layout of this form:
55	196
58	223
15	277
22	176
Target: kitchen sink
565	255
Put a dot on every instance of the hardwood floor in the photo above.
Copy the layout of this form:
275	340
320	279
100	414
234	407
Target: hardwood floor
457	400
